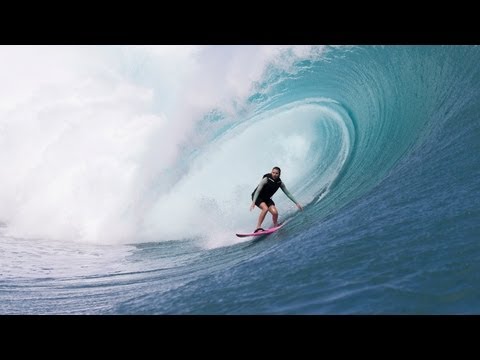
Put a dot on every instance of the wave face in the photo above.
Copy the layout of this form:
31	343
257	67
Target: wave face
137	164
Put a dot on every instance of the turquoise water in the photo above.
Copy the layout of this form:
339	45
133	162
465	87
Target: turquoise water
379	143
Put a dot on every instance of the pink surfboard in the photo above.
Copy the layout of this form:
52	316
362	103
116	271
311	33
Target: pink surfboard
259	233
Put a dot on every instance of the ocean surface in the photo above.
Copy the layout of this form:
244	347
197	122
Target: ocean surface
127	170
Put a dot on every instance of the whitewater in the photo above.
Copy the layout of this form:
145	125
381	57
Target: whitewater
127	170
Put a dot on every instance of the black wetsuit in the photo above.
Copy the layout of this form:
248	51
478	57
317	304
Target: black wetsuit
268	186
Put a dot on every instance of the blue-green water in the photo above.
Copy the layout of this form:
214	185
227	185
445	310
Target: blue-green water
380	144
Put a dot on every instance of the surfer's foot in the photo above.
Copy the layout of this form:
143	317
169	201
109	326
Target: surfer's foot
259	229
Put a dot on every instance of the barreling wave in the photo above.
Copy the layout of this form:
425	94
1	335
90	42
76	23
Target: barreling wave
161	148
106	165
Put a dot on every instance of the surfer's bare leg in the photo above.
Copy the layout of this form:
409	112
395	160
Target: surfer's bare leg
274	212
264	209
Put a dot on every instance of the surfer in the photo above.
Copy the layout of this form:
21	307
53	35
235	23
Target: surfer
262	194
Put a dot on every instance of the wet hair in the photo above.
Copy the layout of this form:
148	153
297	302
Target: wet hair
277	168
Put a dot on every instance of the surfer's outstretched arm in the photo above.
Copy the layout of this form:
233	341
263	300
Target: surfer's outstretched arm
290	196
257	192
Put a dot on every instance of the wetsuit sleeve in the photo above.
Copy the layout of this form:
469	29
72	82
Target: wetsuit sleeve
259	188
284	189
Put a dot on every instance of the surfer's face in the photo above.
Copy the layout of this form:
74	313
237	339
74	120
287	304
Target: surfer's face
275	174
